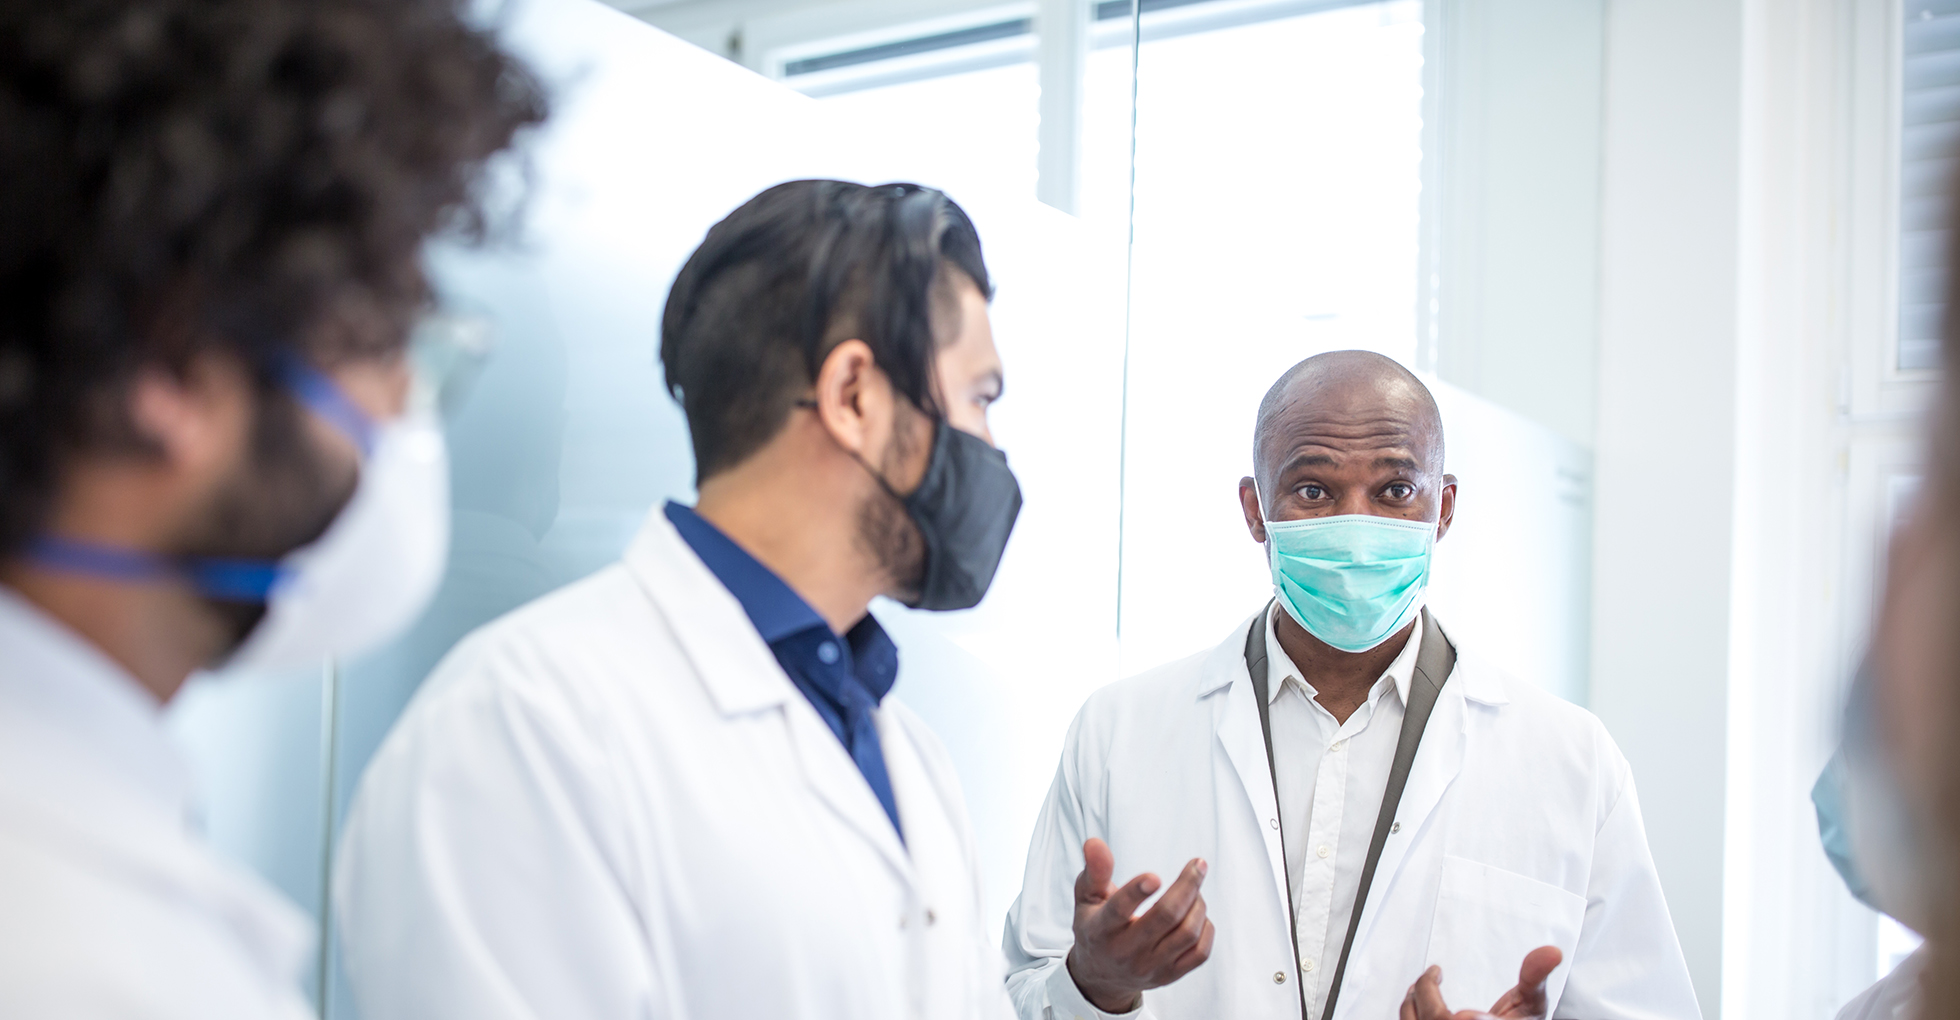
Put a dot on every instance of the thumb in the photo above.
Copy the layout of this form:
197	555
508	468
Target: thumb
1538	965
1098	864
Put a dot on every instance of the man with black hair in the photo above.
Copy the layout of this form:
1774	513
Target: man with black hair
677	788
211	220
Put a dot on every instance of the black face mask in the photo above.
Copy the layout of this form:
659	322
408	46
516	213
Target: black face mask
964	508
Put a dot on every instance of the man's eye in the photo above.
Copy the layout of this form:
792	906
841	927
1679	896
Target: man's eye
1401	490
1312	492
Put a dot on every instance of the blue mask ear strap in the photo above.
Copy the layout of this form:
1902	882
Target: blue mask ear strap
323	397
228	580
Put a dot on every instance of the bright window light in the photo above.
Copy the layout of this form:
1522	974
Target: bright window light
991	115
1895	943
1278	178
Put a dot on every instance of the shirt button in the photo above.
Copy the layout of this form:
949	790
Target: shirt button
1395	826
1306	964
827	653
1323	851
1337	745
1275	822
1279	977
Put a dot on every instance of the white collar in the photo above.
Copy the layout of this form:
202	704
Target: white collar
1280	665
72	720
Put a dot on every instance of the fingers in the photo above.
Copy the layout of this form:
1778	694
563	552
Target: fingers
1193	956
1538	965
1530	992
1185	934
1123	903
1169	911
1428	996
1092	886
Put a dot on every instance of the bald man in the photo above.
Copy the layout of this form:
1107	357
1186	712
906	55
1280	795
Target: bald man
1343	797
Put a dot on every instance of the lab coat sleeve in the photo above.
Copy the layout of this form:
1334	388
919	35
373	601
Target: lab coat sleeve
1041	924
1628	964
477	876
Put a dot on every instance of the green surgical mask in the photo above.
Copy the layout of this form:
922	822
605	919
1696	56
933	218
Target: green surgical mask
1354	580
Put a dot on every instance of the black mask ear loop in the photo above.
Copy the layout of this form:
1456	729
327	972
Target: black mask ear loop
875	475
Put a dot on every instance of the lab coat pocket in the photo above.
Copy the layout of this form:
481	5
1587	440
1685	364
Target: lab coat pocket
1487	919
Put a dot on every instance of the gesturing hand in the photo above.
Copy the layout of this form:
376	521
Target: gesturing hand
1116	954
1525	1001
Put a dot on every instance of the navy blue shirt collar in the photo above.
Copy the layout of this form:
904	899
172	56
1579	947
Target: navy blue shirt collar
844	680
775	608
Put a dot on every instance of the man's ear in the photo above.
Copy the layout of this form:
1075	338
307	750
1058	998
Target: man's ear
853	398
196	420
1448	513
1255	518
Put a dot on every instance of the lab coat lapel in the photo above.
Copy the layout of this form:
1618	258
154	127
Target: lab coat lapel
730	658
1235	717
835	778
742	675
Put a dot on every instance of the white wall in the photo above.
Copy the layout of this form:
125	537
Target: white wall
1512	163
1665	457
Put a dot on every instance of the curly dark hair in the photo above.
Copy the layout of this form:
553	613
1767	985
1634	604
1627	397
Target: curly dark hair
248	177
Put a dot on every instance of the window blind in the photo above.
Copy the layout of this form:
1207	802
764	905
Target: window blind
1929	140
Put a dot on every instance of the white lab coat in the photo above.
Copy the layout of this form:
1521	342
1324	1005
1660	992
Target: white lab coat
1518	828
613	804
1893	997
112	907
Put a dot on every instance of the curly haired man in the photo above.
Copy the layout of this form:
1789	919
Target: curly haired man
211	219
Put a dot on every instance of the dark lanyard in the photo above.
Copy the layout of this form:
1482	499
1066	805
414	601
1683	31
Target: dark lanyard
1436	659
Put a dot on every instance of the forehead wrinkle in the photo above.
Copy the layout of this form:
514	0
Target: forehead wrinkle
1294	438
1344	399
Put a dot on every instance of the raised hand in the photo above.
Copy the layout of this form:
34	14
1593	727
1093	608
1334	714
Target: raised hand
1525	1000
1117	954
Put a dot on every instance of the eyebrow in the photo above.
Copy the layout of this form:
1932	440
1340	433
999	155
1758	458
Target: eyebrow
1307	460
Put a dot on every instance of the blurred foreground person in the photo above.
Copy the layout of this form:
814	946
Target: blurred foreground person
211	216
677	788
1901	759
1367	797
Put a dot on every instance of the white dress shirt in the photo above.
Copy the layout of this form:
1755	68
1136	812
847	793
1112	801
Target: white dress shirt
110	904
1332	776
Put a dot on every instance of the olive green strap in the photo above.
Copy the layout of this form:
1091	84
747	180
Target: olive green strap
1433	666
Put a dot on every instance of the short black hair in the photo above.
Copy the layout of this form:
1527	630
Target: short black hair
252	178
782	280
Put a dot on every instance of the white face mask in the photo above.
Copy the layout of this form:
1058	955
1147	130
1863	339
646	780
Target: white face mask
362	582
378	564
